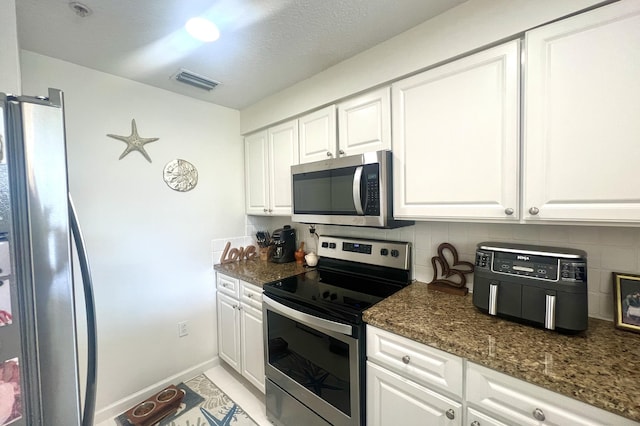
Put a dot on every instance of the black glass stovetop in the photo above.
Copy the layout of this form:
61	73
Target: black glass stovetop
330	294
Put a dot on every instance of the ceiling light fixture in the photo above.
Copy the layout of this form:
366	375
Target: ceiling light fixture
202	29
80	9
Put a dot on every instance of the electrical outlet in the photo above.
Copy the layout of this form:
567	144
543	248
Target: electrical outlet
183	330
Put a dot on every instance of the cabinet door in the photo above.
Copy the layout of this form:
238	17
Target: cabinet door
582	132
256	173
229	330
364	123
393	400
456	139
283	153
252	345
318	135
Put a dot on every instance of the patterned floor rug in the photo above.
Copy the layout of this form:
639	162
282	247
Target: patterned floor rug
211	407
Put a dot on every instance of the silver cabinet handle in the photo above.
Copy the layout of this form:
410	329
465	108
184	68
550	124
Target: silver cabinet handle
475	423
249	295
235	306
508	211
538	414
534	210
264	210
225	285
341	152
450	414
329	154
406	359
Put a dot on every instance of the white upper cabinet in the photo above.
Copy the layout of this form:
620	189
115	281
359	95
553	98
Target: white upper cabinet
318	135
283	153
256	160
364	123
456	139
582	127
269	155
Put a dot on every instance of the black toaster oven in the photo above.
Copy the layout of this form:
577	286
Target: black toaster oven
537	285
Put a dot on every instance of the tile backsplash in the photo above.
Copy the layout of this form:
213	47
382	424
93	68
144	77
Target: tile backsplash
608	249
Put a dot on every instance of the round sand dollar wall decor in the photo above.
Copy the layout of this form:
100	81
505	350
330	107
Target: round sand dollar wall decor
180	175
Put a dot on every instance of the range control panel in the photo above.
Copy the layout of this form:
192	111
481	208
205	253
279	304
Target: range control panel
543	263
393	254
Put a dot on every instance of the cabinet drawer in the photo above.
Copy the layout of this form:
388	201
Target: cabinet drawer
476	418
517	402
425	365
228	285
251	295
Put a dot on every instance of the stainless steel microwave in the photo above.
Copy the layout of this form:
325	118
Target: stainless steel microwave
355	190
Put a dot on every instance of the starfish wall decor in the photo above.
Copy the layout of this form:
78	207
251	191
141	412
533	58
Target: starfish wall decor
134	142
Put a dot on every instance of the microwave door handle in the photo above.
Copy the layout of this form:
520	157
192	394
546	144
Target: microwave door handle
357	198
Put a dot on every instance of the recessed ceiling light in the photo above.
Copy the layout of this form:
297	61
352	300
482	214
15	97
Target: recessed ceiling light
202	29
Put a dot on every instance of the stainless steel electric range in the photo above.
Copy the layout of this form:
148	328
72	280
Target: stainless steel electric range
314	333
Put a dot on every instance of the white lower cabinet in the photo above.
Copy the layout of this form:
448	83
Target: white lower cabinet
505	399
240	332
409	383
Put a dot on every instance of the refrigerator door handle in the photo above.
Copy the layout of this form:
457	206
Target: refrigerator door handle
90	391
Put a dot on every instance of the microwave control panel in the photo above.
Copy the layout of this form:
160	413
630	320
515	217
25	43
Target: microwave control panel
372	183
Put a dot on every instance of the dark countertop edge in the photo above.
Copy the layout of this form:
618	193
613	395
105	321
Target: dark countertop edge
258	272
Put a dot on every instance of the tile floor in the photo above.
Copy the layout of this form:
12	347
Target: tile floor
238	389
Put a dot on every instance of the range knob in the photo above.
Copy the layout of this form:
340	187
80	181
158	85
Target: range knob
384	252
332	245
395	253
325	294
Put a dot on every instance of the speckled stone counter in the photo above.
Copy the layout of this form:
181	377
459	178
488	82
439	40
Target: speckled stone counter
600	366
260	272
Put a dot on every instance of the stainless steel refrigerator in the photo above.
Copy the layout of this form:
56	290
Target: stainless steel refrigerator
39	234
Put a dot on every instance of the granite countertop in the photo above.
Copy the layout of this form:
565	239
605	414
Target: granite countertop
599	366
260	272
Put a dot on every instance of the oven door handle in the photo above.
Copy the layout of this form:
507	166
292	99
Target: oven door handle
307	319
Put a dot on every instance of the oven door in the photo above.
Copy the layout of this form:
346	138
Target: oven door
314	360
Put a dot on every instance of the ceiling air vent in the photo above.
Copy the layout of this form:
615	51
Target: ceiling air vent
196	80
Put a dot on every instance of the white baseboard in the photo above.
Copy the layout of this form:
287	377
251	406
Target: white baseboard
122	405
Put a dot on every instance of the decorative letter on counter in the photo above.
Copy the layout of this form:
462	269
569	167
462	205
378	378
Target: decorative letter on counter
237	254
452	277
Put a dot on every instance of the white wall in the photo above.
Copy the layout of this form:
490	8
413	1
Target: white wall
150	247
9	59
473	24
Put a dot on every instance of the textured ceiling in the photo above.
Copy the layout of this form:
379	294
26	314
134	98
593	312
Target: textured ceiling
264	47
